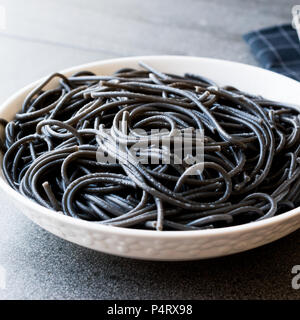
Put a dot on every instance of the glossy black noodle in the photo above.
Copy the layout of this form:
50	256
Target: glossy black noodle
251	151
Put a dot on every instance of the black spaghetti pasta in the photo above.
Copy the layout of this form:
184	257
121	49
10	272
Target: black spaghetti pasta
82	149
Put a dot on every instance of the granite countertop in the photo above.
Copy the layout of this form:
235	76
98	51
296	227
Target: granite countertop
45	36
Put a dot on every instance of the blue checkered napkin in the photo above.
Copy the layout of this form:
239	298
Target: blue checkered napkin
277	49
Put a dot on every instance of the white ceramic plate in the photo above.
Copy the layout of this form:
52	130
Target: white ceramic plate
167	245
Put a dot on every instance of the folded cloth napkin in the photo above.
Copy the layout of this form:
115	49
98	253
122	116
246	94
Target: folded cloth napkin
277	49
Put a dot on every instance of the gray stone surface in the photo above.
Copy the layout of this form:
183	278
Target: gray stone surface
45	36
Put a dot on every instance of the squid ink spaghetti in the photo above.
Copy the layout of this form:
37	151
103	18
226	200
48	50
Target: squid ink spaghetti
250	154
